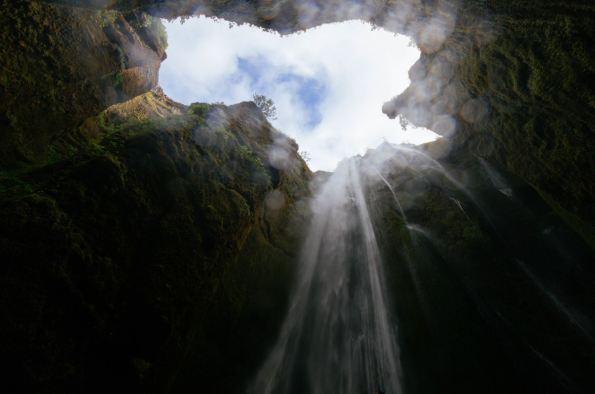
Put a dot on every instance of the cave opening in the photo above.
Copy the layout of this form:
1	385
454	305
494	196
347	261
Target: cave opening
328	83
146	248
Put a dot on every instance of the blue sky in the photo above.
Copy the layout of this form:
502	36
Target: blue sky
328	83
308	91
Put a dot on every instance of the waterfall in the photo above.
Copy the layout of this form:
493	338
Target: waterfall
392	192
338	336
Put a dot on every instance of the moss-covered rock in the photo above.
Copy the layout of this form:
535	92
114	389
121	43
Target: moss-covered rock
149	259
510	85
60	65
488	282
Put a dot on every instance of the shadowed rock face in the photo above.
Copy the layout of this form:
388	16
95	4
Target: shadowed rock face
145	245
60	65
492	290
513	90
157	258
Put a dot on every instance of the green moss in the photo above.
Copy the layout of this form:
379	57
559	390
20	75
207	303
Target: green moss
160	32
58	153
107	18
187	201
533	75
199	109
117	81
66	63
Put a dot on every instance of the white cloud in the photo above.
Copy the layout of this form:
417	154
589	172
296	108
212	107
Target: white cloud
360	69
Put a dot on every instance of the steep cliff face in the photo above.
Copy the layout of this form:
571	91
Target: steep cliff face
492	289
158	257
145	246
60	65
513	90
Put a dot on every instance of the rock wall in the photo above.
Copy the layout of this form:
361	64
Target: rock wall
60	65
513	89
157	258
491	288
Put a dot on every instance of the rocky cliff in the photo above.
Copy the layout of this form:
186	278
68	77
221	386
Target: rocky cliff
492	289
61	65
509	85
155	258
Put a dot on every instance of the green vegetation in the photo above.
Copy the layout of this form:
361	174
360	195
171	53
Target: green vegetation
160	32
158	223
107	18
199	109
533	75
266	105
118	81
61	65
305	156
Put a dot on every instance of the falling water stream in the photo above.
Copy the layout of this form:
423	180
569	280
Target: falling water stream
338	336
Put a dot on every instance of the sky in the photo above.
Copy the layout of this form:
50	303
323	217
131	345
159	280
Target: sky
328	83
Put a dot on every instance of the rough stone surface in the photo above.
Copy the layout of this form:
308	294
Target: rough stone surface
60	65
149	260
